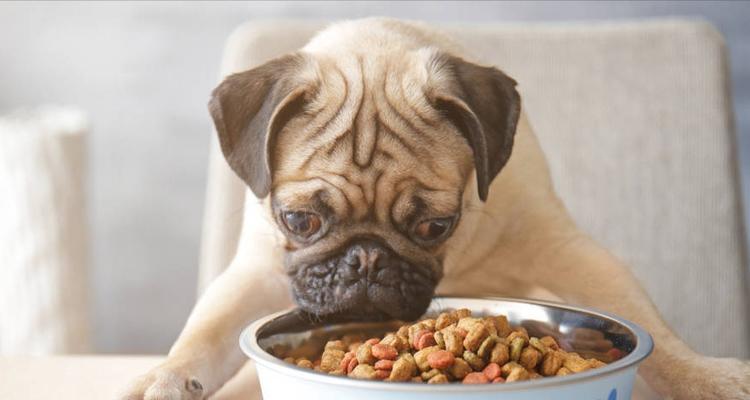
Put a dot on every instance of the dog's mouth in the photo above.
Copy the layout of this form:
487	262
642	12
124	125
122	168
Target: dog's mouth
367	282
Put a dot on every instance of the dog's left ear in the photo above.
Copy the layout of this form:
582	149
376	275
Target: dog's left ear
249	108
484	105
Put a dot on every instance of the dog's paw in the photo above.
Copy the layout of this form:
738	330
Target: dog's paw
715	378
163	383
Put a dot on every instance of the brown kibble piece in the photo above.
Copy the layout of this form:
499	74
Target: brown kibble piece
420	357
335	345
453	342
476	362
550	342
500	354
330	359
384	351
403	369
551	363
459	369
502	326
364	354
372	341
440	359
507	367
445	320
289	360
530	357
475	378
427	375
462	313
487	345
563	371
305	363
516	346
363	371
475	337
517	374
499	379
439	378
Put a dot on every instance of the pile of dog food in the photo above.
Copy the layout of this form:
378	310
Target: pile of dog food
454	347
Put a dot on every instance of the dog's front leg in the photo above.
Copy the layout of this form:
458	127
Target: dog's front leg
580	271
207	352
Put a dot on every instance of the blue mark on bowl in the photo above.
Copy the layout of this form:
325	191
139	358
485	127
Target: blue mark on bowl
612	395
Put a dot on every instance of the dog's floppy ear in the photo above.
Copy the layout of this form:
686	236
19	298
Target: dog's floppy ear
484	105
249	108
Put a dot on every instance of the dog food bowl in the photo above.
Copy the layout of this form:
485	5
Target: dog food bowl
571	326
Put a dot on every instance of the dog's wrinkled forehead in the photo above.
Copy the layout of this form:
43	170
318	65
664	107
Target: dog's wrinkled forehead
371	141
418	116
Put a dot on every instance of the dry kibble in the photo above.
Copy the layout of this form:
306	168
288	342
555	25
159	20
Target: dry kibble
398	342
351	365
440	359
475	337
551	363
453	342
452	347
335	345
420	357
424	340
537	344
487	346
550	342
500	354
364	354
403	369
385	365
502	326
491	371
516	346
363	371
381	374
330	359
475	378
474	360
517	374
445	320
459	369
384	351
439	339
426	376
509	366
530	357
439	378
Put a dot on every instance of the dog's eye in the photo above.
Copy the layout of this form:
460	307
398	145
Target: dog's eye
433	229
302	223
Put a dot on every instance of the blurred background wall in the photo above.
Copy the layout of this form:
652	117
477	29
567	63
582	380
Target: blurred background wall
143	72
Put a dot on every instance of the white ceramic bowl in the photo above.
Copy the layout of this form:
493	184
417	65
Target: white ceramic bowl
283	381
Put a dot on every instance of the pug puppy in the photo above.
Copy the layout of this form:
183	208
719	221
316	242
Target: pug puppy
386	168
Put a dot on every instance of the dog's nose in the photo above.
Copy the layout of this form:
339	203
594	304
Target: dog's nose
366	256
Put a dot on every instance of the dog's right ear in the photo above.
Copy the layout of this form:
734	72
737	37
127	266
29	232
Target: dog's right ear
249	108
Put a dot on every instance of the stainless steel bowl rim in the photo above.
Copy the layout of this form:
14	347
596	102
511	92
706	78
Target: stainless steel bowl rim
644	347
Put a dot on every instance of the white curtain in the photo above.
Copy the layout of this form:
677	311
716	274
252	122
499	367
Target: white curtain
43	232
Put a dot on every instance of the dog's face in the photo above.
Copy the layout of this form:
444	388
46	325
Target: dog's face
366	164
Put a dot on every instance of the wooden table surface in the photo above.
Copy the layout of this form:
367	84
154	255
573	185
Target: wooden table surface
100	377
